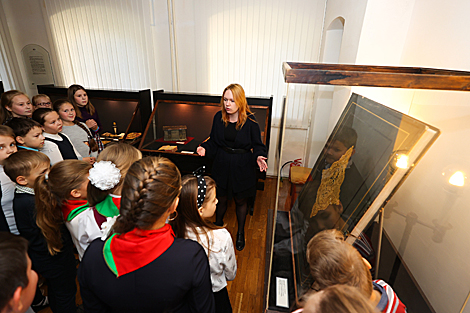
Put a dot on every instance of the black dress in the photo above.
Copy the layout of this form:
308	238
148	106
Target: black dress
176	281
235	172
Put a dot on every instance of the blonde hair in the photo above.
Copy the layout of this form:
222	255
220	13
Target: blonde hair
7	131
23	162
35	99
51	193
339	299
333	261
240	100
6	101
123	156
150	187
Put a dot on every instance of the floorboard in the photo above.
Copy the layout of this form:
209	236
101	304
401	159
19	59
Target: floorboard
246	291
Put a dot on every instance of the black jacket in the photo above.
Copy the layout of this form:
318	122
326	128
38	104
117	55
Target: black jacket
240	168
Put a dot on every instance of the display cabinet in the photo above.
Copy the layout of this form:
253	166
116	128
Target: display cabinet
368	155
123	114
192	113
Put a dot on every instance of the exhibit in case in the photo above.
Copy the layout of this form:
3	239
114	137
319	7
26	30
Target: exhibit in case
368	155
123	114
180	122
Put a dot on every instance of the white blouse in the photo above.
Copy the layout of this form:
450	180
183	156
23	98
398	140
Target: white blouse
222	261
52	150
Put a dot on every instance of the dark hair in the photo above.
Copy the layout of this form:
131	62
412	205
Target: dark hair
91	141
21	126
151	186
70	94
188	213
347	136
6	131
39	115
122	155
13	266
51	193
22	162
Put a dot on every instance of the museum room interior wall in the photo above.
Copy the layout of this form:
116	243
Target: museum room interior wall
201	46
428	34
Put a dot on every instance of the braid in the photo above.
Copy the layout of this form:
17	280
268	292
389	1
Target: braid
149	189
91	141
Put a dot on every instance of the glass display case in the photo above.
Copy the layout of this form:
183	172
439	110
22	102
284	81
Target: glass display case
191	114
123	114
367	156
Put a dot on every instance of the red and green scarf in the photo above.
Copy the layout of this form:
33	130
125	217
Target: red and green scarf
109	207
71	208
125	253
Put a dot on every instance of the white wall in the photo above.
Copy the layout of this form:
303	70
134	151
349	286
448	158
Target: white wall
331	100
427	33
26	26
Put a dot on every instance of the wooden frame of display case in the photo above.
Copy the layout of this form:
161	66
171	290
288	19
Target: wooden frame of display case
188	162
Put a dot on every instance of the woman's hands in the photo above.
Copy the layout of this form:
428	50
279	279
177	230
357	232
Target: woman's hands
201	151
263	166
91	123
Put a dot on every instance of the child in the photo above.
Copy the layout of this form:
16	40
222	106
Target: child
86	112
79	134
104	195
28	133
57	146
197	205
17	279
142	267
7	147
106	202
333	261
42	101
50	245
16	104
339	299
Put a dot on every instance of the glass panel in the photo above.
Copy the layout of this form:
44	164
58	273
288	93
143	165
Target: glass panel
367	156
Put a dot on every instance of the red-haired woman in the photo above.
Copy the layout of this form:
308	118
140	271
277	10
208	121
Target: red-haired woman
236	147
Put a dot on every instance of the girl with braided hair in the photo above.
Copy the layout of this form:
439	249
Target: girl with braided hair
142	267
78	133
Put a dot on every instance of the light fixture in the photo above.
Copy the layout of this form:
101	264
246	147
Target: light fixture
457	179
401	161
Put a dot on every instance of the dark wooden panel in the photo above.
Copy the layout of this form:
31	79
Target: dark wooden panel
376	76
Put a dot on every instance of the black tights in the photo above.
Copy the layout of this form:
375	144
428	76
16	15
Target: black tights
241	209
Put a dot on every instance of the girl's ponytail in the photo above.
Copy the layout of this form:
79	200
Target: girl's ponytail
49	217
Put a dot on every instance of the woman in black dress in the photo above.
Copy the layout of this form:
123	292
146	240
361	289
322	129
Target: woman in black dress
236	147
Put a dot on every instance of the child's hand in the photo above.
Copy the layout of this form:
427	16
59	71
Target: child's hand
91	123
90	160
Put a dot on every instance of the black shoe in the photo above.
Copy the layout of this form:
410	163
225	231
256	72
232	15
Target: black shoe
44	303
240	244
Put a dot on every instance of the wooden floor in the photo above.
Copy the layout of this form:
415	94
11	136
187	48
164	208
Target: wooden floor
246	291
